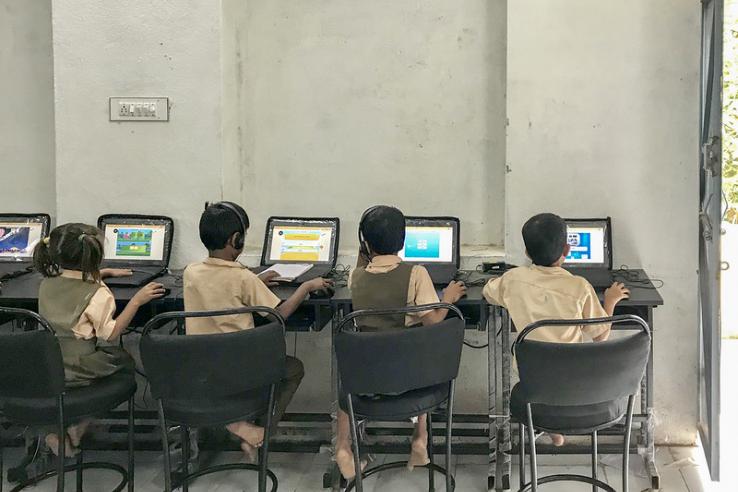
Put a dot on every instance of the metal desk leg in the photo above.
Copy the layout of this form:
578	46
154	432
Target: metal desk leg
650	454
492	344
334	474
504	443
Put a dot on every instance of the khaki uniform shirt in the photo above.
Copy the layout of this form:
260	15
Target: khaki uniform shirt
215	284
420	289
97	319
536	293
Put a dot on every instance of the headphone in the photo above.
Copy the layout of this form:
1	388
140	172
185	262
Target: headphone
363	247
239	241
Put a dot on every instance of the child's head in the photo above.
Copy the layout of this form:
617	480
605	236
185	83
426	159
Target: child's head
71	247
545	239
223	226
382	230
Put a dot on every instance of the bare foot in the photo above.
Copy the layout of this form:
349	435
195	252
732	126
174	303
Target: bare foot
345	462
250	453
418	453
52	441
75	432
557	440
248	432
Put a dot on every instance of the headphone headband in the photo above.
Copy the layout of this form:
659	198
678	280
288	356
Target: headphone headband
363	249
241	219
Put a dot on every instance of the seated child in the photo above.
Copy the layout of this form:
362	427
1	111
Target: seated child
382	280
545	290
80	308
220	282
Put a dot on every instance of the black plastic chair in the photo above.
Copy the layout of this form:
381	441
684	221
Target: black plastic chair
577	389
214	380
32	393
410	372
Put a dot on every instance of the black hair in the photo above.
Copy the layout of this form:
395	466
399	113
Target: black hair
545	238
218	223
383	228
71	247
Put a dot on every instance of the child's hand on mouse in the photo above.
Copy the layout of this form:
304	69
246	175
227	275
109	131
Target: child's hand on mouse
319	284
616	293
268	278
454	292
148	293
115	272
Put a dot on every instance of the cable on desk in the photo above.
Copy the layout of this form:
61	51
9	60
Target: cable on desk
634	280
340	273
471	345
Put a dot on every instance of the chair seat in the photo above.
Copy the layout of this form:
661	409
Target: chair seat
567	419
87	401
397	407
243	406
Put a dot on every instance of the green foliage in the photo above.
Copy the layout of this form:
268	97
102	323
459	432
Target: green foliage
730	111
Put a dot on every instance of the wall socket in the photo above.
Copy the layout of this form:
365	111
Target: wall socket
139	108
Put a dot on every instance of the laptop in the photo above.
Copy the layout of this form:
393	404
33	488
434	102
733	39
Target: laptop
434	243
308	245
591	250
19	235
142	243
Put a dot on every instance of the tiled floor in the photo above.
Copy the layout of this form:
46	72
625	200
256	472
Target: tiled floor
303	472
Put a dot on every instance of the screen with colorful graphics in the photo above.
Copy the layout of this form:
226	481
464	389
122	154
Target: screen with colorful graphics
428	244
587	244
134	242
18	240
300	241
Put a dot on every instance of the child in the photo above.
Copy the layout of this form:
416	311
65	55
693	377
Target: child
220	282
547	291
80	308
381	280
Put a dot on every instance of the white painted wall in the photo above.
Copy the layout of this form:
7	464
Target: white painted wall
132	48
27	117
344	105
603	117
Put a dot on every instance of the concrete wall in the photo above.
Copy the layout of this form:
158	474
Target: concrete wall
27	118
131	48
347	104
603	117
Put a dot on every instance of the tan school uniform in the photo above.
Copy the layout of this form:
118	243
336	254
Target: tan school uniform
215	284
536	293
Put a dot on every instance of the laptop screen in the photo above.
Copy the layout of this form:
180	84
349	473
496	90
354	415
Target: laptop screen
136	240
291	240
19	239
589	241
430	240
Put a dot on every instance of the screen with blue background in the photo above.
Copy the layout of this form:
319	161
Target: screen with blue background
581	245
421	245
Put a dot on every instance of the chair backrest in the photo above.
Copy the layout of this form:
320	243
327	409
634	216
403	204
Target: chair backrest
401	360
582	373
30	361
191	367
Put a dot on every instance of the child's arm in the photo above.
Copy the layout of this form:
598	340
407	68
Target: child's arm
613	295
148	293
293	302
451	295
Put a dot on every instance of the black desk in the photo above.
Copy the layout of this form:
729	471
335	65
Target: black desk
644	298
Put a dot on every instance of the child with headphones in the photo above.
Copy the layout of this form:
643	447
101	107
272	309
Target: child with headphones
221	282
80	309
382	280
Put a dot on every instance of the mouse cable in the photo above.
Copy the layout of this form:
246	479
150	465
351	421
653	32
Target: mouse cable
471	345
634	281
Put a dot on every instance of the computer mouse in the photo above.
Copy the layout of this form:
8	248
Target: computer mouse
167	291
326	293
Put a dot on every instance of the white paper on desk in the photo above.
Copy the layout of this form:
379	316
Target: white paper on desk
288	271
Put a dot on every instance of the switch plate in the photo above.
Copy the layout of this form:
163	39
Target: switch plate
139	108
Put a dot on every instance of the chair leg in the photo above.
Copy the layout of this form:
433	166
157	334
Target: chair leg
1	463
131	436
521	454
626	443
62	442
431	473
355	446
165	449
594	460
264	451
79	474
449	433
185	458
532	439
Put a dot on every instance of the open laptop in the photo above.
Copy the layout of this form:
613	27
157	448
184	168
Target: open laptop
591	250
142	243
19	235
434	243
294	241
